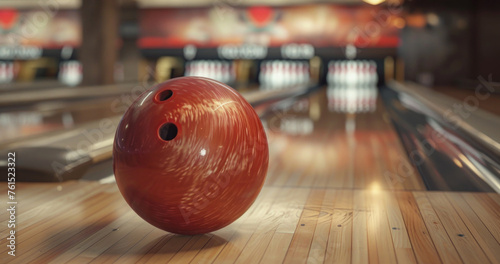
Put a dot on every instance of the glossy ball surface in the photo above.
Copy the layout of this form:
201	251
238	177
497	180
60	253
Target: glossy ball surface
190	155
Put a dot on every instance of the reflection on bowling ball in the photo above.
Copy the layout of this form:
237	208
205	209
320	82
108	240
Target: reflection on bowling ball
190	155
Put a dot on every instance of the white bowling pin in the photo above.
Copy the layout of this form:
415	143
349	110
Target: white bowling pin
3	72
262	74
373	73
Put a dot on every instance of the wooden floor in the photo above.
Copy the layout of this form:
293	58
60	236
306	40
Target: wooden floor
82	222
335	195
352	151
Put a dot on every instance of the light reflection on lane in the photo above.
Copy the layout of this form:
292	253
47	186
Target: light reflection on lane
312	145
352	99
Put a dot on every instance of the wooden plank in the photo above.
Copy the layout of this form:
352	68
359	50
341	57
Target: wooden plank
484	238
421	241
166	249
280	242
33	231
442	242
339	246
211	247
187	253
322	231
359	230
492	207
400	239
30	196
125	245
255	247
231	251
495	197
222	237
340	226
54	236
302	238
380	246
30	213
108	236
147	246
34	199
88	249
464	241
261	237
485	208
294	208
277	248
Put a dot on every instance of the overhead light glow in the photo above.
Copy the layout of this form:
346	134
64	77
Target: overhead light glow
374	2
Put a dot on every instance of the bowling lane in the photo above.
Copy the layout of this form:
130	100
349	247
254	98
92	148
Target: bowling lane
38	85
29	113
339	137
326	200
53	116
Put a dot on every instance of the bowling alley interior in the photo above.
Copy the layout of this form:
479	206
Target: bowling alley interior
250	131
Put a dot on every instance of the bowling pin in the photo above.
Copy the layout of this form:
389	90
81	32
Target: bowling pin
76	73
3	72
287	74
71	73
217	71
262	74
272	74
373	73
335	73
279	77
352	76
3	75
343	73
329	74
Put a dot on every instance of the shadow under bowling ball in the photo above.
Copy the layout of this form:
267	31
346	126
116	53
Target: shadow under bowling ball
172	244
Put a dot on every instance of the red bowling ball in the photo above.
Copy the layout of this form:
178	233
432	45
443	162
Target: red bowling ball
190	155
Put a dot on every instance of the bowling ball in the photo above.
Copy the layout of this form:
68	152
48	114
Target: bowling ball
190	155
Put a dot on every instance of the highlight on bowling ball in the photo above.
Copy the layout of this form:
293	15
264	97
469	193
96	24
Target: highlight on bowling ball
190	155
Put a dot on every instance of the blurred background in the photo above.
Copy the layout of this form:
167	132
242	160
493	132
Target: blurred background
65	63
72	42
